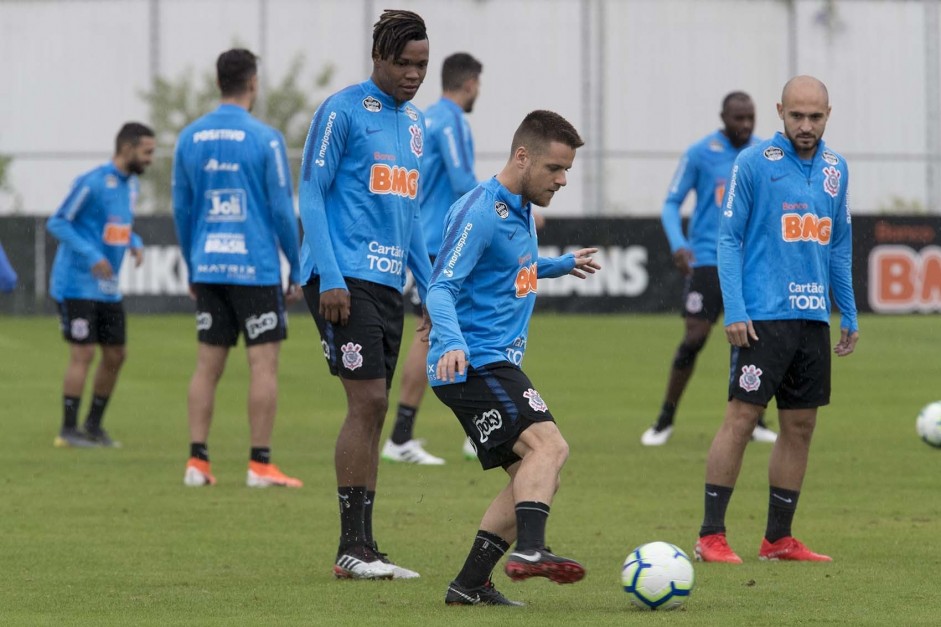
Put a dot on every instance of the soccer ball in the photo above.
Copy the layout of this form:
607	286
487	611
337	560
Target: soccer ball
928	424
657	576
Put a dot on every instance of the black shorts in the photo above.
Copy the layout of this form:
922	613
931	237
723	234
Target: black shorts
224	310
495	405
702	296
368	346
790	361
93	322
410	296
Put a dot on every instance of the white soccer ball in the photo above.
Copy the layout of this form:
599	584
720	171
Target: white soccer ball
657	576
928	424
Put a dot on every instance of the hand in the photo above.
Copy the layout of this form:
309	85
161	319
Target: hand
138	254
450	363
738	333
683	259
294	293
102	269
424	325
335	306
539	220
584	264
847	343
192	292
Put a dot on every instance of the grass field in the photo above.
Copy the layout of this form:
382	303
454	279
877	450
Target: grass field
111	537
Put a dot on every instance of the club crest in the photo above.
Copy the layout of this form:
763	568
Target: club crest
352	359
831	181
750	379
535	401
418	141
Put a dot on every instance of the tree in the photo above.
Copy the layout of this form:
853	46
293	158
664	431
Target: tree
176	103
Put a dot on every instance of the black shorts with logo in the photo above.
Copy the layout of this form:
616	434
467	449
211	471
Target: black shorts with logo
702	296
93	322
495	405
224	310
410	294
790	361
368	346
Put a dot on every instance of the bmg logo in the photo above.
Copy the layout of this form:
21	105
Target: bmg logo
227	205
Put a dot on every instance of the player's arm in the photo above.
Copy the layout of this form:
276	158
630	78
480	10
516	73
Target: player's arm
137	249
736	210
684	180
281	201
458	157
418	261
578	263
62	226
841	273
453	265
184	209
317	175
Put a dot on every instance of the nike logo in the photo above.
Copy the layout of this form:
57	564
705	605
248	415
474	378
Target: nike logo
512	234
781	498
372	131
712	493
777	178
533	558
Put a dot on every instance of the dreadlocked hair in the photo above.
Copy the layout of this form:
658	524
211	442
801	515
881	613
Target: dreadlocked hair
394	30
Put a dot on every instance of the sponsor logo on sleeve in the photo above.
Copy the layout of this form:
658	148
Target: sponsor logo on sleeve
489	421
535	401
448	270
203	320
79	329
256	325
526	280
227	205
325	140
417	142
502	210
352	358
226	243
279	163
731	196
829	157
773	153
214	165
396	180
116	234
372	105
750	380
831	181
805	228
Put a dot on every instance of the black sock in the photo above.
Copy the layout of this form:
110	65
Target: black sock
404	424
199	450
367	518
261	454
70	411
717	501
531	519
781	507
487	550
665	419
96	412
352	503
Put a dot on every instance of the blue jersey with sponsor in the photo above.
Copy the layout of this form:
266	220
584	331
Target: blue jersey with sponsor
93	223
705	168
483	287
785	240
359	191
233	201
447	170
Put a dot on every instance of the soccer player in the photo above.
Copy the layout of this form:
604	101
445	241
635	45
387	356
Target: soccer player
233	206
785	242
7	273
447	174
359	207
705	168
481	299
94	229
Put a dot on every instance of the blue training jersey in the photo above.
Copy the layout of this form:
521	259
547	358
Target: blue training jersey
447	170
93	223
483	287
233	201
785	240
705	168
359	191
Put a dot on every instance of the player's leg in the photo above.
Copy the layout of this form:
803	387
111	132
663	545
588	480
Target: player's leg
75	319
112	335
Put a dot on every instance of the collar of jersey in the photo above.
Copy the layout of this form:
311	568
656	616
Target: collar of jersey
230	108
373	90
110	168
781	141
513	201
452	105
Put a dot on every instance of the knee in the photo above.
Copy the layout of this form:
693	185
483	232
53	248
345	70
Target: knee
373	405
687	352
558	450
115	356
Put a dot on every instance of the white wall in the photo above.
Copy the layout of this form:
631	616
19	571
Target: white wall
73	71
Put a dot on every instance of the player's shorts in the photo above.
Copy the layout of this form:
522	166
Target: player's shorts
410	294
368	346
790	361
702	296
223	311
495	405
93	322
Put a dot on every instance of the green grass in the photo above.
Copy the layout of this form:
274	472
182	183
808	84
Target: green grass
112	536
